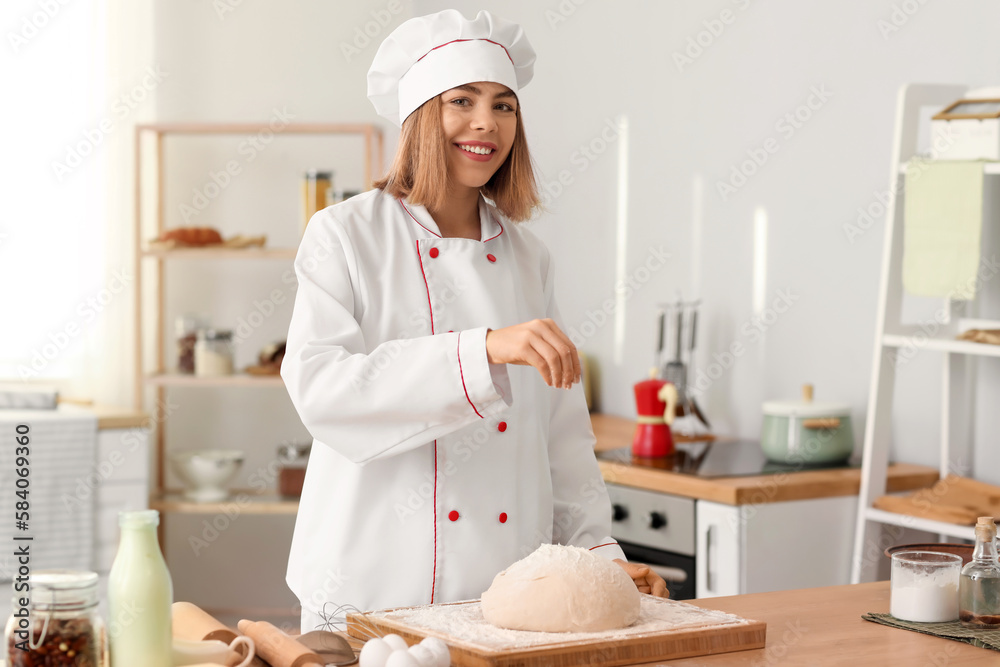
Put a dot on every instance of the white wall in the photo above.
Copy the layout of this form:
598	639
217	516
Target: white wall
598	61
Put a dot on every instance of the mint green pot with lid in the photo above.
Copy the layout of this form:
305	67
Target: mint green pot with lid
806	431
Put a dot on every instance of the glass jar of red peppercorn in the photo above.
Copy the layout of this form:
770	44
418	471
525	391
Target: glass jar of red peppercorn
56	622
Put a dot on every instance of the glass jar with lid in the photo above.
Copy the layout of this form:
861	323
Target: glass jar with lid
186	328
213	353
57	622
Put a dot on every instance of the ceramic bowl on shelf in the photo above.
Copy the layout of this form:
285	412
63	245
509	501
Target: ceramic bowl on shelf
206	472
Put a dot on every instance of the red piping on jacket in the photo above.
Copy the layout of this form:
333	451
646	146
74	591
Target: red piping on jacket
413	217
606	544
435	573
416	221
426	286
462	375
430	309
498	223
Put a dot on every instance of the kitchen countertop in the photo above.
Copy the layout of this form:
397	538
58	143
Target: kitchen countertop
823	626
110	417
616	432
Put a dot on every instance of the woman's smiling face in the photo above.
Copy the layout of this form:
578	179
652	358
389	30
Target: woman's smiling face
479	121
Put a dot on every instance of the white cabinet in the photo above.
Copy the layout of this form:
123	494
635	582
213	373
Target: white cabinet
773	546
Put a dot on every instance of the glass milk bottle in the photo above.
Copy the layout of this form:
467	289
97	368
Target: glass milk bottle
979	596
140	593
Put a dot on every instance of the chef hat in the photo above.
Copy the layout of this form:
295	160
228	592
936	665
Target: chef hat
428	55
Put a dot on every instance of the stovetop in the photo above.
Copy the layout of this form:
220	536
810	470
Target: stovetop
721	458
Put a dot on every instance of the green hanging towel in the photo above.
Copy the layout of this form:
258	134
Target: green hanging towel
943	221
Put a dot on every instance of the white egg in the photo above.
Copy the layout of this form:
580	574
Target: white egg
401	659
396	642
442	656
374	653
423	655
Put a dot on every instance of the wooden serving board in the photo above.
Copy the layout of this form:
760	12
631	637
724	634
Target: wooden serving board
666	629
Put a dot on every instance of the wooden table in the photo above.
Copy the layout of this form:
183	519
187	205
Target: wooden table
823	626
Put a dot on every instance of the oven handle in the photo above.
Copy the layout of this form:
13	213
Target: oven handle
709	579
674	574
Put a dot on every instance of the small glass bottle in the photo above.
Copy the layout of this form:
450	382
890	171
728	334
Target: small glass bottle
213	353
140	593
979	587
57	622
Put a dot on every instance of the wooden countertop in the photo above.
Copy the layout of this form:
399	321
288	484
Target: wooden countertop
111	417
823	626
616	432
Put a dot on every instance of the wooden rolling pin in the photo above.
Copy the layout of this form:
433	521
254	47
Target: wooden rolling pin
276	647
192	623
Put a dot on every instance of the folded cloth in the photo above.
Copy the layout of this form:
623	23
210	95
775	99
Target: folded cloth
62	448
951	630
943	220
27	397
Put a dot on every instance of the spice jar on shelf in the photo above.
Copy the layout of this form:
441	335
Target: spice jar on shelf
316	189
186	329
57	623
293	457
213	353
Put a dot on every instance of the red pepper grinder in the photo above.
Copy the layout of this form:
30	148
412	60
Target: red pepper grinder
655	401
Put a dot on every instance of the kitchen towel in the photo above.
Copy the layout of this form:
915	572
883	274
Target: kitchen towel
62	451
943	220
952	630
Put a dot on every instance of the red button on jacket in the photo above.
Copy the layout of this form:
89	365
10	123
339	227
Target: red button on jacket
491	258
453	515
503	517
433	253
502	426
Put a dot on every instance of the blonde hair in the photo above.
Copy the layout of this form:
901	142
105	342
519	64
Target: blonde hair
420	167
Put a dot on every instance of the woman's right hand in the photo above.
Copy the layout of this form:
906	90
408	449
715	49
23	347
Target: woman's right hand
538	343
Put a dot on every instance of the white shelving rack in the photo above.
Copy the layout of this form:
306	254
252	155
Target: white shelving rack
892	336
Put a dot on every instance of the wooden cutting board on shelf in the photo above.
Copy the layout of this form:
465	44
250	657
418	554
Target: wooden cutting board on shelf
953	499
666	629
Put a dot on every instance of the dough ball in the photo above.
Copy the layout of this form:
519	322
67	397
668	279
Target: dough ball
562	589
396	642
374	653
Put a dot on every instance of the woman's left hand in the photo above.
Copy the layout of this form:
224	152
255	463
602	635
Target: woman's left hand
645	579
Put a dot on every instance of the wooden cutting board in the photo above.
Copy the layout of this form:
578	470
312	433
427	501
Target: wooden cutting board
666	629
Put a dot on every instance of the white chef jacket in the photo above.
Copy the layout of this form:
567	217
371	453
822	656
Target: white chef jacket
431	469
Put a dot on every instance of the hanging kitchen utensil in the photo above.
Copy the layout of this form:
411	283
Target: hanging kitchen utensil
678	322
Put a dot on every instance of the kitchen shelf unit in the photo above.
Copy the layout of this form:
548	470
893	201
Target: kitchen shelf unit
247	500
221	253
159	379
892	338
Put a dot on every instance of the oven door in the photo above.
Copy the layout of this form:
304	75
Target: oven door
676	569
657	529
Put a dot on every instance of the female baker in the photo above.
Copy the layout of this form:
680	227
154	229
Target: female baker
441	456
